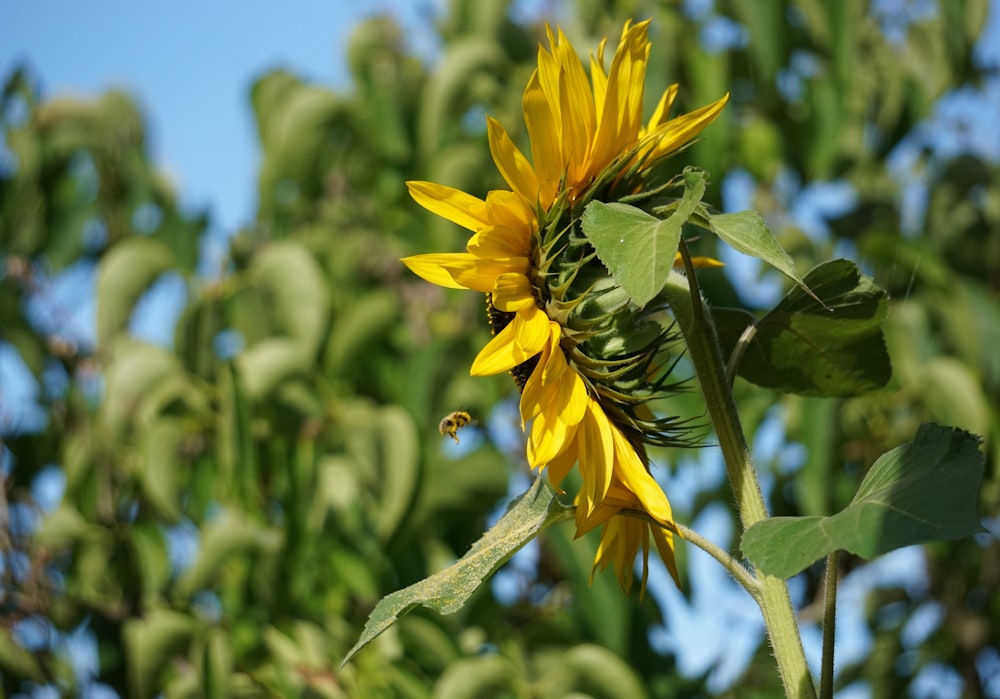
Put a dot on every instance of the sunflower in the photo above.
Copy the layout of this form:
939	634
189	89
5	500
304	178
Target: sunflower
589	363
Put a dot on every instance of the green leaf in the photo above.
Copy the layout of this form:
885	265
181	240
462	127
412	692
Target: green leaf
160	467
216	665
297	291
269	363
399	468
16	660
602	672
924	490
149	546
832	347
638	248
124	275
135	372
150	643
482	676
747	232
447	590
232	534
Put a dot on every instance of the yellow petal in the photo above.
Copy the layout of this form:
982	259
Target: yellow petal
548	437
636	478
509	210
450	203
676	132
511	163
662	111
544	134
460	270
559	467
502	353
499	242
531	330
664	540
534	392
699	262
512	293
596	446
436	268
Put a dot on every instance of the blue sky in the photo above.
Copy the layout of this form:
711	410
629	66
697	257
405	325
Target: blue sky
190	64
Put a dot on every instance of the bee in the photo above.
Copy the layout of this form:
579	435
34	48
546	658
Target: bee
452	423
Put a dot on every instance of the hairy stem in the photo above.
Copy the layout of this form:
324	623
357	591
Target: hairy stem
703	346
735	568
829	626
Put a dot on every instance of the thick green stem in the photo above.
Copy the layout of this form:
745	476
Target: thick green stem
829	626
703	348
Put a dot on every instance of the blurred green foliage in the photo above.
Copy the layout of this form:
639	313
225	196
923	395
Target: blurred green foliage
290	429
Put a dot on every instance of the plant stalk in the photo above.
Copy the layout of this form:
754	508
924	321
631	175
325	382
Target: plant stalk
829	625
703	348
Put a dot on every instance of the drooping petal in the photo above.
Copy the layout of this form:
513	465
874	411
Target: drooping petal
502	353
664	540
450	203
437	267
510	210
531	330
597	458
637	479
550	435
559	467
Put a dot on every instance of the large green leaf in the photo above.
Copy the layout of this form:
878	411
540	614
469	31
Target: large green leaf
638	248
447	590
832	347
924	490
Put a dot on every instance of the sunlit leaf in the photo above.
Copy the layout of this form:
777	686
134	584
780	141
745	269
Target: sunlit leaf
747	232
399	469
297	292
924	490
447	590
160	467
482	676
124	274
150	642
638	248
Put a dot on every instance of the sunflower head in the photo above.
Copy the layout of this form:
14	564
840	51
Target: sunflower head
591	363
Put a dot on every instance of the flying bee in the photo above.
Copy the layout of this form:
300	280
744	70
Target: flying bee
453	422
